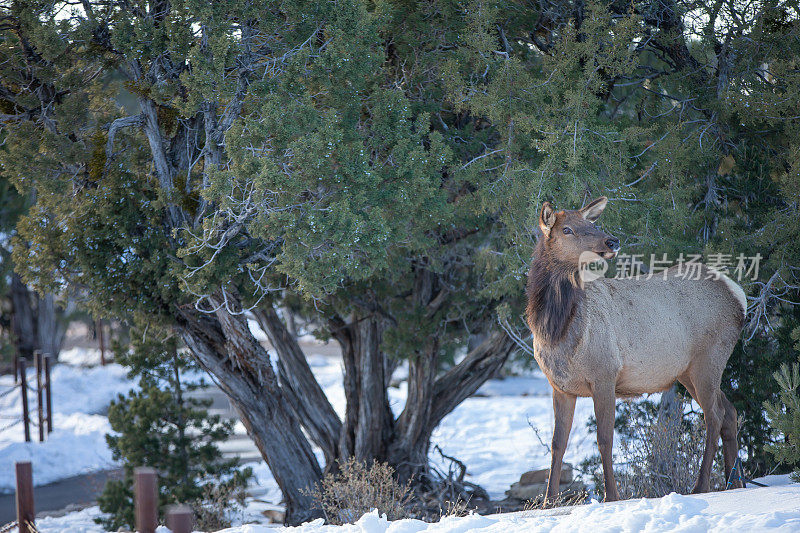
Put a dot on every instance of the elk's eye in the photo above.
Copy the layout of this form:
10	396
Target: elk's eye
567	231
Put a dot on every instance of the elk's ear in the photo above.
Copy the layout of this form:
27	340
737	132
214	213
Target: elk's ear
593	211
547	218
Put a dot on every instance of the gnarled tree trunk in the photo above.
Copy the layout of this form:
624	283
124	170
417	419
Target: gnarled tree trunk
276	407
225	347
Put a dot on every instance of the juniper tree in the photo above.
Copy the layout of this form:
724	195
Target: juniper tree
381	166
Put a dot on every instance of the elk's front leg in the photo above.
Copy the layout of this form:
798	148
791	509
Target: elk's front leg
563	409
604	402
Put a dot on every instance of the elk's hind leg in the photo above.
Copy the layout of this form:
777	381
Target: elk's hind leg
563	409
707	394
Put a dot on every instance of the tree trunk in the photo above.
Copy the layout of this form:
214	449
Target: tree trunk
224	347
430	399
368	419
51	327
298	382
36	321
23	321
274	407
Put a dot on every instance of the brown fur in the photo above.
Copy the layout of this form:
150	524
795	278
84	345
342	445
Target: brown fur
626	337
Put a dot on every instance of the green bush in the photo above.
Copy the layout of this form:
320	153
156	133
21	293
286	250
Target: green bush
785	414
160	426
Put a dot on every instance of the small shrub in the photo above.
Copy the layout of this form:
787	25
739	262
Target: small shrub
160	425
785	417
459	507
358	489
214	509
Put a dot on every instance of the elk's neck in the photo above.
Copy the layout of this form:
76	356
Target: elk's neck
553	298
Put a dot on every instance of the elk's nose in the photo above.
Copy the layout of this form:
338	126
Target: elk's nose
612	243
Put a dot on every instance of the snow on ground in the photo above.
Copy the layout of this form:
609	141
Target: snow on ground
78	356
77	444
776	508
492	436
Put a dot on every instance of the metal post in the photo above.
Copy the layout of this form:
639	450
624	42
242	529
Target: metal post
37	359
145	498
180	519
101	337
23	385
48	359
25	513
16	365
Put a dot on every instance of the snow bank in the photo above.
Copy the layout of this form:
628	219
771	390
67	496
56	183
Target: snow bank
77	444
758	509
775	508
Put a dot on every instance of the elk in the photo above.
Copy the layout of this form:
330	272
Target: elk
611	338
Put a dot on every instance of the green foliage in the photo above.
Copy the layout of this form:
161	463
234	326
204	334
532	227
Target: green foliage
161	426
748	382
785	414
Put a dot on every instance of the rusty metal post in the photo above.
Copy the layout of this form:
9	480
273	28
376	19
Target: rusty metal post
25	512
145	499
102	338
37	361
180	519
23	385
48	359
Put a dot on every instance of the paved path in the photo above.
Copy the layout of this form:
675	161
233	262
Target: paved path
65	495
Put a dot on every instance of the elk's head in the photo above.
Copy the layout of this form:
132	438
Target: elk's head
571	239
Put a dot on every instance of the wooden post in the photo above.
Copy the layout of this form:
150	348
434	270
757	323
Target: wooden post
25	513
101	337
23	385
180	519
145	499
37	360
48	359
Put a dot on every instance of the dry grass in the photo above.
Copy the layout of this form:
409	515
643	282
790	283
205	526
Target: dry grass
563	499
358	489
460	507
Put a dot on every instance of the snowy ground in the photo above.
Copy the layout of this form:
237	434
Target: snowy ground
776	508
77	444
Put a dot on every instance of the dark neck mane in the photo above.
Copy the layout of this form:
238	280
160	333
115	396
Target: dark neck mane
553	297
